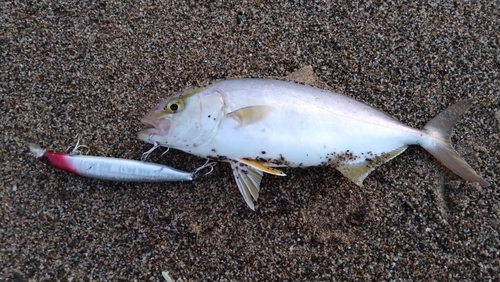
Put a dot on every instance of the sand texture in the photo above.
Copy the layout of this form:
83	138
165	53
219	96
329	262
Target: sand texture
95	68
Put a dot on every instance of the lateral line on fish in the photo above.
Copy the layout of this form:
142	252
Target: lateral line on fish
345	116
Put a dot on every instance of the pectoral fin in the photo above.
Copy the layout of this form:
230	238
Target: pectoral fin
357	172
248	180
262	167
249	115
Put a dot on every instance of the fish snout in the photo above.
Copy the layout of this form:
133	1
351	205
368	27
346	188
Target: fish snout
158	128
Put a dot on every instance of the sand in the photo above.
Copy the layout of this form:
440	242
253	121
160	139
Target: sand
96	68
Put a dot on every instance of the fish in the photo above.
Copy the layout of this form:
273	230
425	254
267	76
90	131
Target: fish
260	125
107	168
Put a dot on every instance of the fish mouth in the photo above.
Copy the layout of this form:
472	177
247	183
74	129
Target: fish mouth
157	128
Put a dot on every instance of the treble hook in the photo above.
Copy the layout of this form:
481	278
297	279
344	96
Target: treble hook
146	154
77	146
207	164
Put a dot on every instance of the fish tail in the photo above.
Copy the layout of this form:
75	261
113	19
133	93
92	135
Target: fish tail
439	130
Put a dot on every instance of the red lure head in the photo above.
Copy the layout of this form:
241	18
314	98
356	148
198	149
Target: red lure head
57	160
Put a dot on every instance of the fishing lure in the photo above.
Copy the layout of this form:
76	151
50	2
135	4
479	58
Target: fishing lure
107	168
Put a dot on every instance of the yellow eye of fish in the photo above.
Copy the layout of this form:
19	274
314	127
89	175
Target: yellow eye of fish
174	106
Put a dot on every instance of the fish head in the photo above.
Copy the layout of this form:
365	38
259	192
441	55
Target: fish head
184	121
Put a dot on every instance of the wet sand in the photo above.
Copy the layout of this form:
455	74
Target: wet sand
96	68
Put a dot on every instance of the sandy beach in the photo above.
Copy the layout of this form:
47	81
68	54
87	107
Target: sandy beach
95	69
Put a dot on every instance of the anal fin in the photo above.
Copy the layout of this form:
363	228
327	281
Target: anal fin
262	167
248	180
357	172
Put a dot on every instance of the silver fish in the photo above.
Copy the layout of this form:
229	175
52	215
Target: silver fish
257	125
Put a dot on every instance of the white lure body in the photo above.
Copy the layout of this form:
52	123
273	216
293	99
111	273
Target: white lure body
116	169
259	124
107	168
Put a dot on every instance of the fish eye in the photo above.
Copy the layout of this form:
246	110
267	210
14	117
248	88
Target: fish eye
174	106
